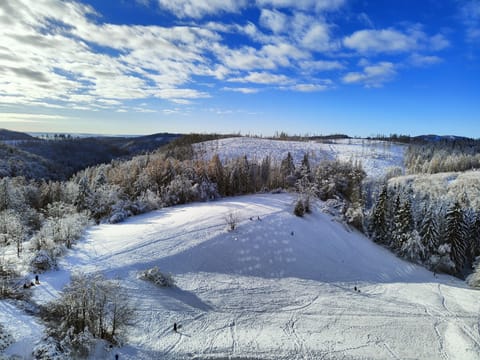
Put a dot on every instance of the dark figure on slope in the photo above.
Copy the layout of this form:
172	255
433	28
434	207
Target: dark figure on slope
175	327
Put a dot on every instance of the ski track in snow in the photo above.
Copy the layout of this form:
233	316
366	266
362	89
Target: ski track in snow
260	293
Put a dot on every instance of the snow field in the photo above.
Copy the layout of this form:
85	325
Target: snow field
280	287
376	156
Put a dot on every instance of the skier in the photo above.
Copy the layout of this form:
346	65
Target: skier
175	327
36	280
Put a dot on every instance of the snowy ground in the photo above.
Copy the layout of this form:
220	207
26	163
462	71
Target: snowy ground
280	287
376	156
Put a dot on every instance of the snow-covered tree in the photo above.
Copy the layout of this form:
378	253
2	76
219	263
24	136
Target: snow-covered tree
379	224
89	303
412	247
12	229
456	236
429	231
474	279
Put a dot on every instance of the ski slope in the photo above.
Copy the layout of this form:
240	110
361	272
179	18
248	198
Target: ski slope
278	287
376	156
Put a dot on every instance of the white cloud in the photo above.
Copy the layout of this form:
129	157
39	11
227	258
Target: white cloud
46	59
372	75
317	37
306	5
268	57
424	60
200	8
274	20
438	42
388	40
394	41
28	118
309	87
470	16
321	65
242	90
263	78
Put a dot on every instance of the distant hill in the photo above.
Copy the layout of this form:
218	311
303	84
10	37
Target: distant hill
9	135
62	156
438	138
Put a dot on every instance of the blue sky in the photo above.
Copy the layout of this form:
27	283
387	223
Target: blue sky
360	67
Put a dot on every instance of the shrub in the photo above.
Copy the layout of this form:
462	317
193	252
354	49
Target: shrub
155	276
231	220
299	209
42	261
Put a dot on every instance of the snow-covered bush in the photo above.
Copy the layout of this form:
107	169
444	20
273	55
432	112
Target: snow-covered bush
122	210
104	312
42	261
231	219
442	262
81	343
299	209
354	216
155	276
49	349
474	279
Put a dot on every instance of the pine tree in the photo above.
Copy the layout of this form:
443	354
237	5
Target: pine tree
429	232
305	170
403	223
475	236
287	169
412	247
216	174
378	222
265	171
456	236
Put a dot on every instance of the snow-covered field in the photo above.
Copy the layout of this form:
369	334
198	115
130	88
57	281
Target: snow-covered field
278	287
376	156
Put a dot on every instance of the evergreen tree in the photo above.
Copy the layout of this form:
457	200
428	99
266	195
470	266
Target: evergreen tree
456	236
265	171
472	221
378	222
287	169
475	236
413	248
305	170
403	224
216	174
429	232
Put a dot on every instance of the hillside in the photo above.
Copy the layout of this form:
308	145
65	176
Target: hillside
376	156
9	135
278	287
61	157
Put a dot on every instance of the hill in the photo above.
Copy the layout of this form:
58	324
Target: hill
376	156
62	156
278	287
9	135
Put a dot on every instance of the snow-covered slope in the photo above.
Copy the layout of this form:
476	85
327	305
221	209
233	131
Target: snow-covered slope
278	287
376	156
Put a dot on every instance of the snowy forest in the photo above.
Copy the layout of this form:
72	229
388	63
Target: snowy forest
429	219
432	216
